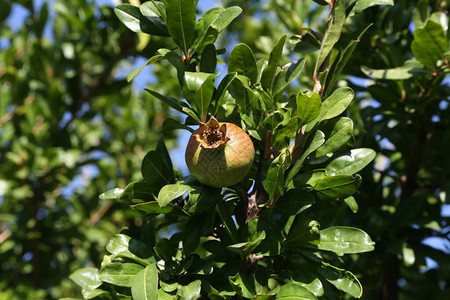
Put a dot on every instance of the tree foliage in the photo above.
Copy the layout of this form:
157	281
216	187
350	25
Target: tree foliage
345	102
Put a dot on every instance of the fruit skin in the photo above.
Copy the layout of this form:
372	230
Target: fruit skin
223	165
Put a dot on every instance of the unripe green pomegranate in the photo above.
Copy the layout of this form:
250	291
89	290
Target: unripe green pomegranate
219	154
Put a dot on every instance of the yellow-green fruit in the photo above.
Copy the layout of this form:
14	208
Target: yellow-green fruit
219	154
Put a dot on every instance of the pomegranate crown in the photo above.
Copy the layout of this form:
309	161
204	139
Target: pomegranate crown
212	135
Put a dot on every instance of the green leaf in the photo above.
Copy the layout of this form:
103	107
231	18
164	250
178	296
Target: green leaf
345	240
153	9
86	278
190	291
288	73
181	16
337	187
304	232
203	200
175	60
155	171
308	107
243	62
132	17
351	203
339	136
274	181
226	17
201	89
219	94
336	104
152	60
124	246
341	279
228	222
430	44
269	72
317	141
243	285
294	291
363	4
332	34
409	69
171	192
139	190
172	102
340	62
111	194
421	13
121	274
208	60
350	164
166	249
294	202
153	207
145	284
308	281
170	125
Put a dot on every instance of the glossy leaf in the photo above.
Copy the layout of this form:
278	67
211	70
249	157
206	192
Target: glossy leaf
430	44
350	164
304	232
208	60
171	192
121	274
87	278
111	194
124	246
363	4
340	62
294	291
269	72
336	104
274	181
341	279
332	34
153	9
181	22
155	171
243	62
152	60
174	103
294	202
132	17
317	141
337	187
288	73
153	207
201	88
351	203
190	291
145	284
409	69
308	281
341	133
345	240
308	107
243	285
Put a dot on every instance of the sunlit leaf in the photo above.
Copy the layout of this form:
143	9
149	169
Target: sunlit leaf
345	240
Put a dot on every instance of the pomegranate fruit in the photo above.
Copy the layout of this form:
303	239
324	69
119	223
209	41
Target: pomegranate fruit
219	154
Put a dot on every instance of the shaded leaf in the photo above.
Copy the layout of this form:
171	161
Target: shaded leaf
294	291
87	278
155	171
341	279
430	44
363	4
337	187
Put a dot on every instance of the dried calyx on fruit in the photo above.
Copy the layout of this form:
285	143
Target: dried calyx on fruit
219	154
